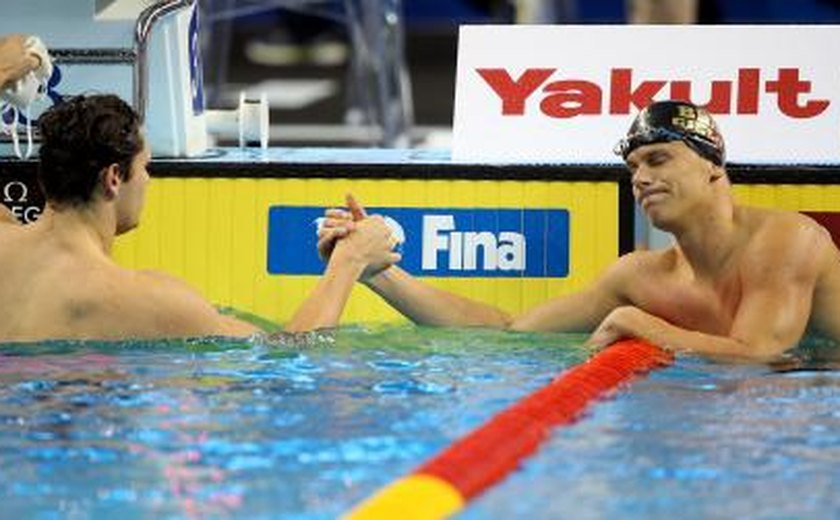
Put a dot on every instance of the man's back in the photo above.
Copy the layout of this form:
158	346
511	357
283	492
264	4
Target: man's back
56	286
52	288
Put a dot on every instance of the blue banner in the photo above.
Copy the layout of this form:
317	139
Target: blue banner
456	242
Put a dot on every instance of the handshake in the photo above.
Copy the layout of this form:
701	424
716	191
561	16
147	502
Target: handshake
358	239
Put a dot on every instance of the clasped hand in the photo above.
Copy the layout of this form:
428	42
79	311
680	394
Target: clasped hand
357	236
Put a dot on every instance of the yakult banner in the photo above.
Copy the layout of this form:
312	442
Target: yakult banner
568	93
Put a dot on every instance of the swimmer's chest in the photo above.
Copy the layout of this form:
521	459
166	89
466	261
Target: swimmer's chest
692	305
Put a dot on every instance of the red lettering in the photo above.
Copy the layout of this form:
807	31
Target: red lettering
720	98
623	95
573	98
681	90
514	93
567	98
748	88
788	87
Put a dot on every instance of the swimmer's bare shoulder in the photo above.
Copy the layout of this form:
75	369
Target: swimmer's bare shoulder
791	254
780	222
158	304
788	237
160	278
164	285
637	266
171	307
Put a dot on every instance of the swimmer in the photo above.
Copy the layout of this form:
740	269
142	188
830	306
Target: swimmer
738	283
59	280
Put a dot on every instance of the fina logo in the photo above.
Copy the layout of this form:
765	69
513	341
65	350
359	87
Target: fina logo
507	252
443	242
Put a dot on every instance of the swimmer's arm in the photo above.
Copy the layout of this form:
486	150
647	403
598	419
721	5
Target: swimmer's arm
763	331
324	305
579	312
584	310
370	244
234	327
776	303
184	313
178	310
632	322
192	317
425	304
778	282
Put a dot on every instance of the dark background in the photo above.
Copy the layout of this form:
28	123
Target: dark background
430	29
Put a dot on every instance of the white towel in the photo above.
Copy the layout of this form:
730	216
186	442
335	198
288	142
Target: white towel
25	91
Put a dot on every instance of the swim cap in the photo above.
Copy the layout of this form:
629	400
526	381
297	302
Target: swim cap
665	121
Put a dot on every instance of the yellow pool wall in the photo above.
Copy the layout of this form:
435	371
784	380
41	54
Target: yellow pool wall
212	232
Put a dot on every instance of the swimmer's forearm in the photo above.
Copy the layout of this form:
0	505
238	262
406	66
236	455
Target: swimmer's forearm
323	307
676	339
425	304
642	325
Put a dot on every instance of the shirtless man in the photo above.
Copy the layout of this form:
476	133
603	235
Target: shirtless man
58	279
739	283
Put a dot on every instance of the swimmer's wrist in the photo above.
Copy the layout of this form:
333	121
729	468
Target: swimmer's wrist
376	281
343	254
345	261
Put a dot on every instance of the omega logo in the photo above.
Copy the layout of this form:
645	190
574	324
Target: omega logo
16	197
15	188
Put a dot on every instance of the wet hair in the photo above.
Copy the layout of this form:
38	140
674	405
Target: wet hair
665	121
81	136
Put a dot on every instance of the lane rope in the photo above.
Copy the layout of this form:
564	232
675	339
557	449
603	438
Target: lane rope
446	483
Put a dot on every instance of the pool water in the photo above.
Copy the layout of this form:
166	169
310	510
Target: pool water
305	430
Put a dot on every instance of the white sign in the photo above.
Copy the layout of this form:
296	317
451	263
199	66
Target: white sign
568	93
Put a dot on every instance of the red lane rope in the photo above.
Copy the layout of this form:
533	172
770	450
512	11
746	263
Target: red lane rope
487	454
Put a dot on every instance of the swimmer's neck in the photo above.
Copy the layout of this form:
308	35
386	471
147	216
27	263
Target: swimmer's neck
707	243
79	227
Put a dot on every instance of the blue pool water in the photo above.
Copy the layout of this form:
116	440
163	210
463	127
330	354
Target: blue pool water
218	428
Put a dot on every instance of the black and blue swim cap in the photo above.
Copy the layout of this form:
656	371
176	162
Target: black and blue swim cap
665	121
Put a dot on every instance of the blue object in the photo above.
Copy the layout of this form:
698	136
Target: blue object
446	242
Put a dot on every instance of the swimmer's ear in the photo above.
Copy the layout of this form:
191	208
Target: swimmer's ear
110	180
